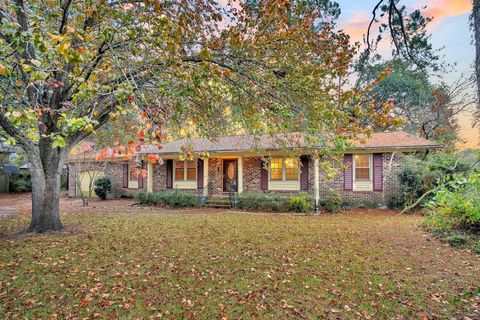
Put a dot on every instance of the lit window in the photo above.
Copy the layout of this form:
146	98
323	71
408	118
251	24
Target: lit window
291	168
362	167
132	172
186	170
276	169
191	170
179	170
284	168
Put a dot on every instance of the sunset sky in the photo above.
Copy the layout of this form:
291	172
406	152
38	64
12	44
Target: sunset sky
450	29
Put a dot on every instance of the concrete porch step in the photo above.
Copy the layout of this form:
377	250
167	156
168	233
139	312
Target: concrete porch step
218	202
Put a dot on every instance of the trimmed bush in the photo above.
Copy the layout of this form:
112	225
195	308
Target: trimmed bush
102	187
300	204
273	201
332	201
263	201
175	198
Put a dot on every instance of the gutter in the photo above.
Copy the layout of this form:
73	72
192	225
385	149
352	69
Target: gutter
398	148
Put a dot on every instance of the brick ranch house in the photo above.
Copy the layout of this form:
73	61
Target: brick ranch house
236	163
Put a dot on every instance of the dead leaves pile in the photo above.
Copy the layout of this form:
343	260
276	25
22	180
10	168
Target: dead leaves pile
227	266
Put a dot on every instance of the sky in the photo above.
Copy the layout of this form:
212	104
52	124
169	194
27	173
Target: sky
450	29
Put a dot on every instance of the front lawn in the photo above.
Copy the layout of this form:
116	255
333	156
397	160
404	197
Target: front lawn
371	265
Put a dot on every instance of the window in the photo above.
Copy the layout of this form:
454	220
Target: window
191	170
180	170
284	168
133	173
291	168
186	170
276	169
362	167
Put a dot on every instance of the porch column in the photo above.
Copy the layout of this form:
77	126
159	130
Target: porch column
316	182
149	177
240	174
205	177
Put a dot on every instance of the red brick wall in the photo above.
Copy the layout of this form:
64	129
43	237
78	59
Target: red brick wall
251	174
390	184
159	176
215	176
251	179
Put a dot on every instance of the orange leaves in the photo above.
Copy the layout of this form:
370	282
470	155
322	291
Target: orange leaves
153	158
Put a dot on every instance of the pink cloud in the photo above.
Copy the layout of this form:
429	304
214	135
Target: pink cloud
440	9
356	26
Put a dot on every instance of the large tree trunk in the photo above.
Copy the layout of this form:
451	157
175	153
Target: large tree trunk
46	170
476	28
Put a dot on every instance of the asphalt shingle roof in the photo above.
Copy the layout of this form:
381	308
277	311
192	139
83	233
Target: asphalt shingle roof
380	140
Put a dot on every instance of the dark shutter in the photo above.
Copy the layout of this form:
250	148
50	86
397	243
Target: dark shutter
169	174
125	175
140	176
348	172
377	172
304	173
200	174
263	177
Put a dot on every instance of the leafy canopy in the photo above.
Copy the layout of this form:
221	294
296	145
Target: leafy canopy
195	68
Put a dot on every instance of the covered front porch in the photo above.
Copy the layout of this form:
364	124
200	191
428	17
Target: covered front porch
220	175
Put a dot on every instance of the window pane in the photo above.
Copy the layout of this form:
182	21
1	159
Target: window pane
362	167
276	168
179	170
132	172
191	170
362	161
291	168
362	173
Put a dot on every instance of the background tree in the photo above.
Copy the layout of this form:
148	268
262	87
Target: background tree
84	170
476	30
410	41
68	67
427	109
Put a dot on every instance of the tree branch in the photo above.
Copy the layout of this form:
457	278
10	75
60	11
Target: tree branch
65	9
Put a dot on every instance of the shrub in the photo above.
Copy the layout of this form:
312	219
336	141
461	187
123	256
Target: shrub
395	202
300	204
20	182
456	206
175	198
264	201
275	201
457	240
476	248
103	186
333	201
418	176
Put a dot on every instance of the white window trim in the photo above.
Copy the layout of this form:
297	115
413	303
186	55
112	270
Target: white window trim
132	184
363	185
184	171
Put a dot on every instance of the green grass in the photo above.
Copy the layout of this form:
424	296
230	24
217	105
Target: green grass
234	266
